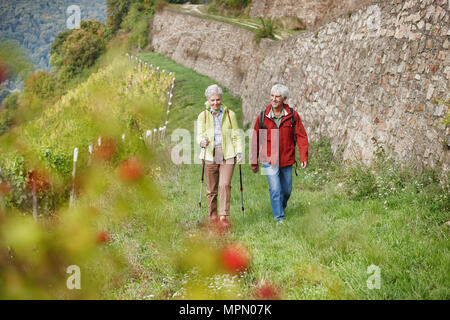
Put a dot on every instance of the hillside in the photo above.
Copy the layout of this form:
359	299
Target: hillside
96	204
337	227
35	24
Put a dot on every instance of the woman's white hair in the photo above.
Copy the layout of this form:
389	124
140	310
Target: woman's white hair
281	90
212	90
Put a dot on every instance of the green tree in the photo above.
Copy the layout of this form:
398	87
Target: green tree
93	26
116	10
7	111
76	50
56	52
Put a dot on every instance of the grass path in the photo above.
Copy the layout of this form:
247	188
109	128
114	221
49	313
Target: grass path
246	23
325	247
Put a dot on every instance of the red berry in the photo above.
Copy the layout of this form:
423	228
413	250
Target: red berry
266	291
5	189
235	258
106	150
131	170
103	237
38	180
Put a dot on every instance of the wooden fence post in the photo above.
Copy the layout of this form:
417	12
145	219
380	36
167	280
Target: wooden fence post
75	159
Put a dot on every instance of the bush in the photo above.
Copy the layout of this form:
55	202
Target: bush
136	22
93	26
360	183
11	102
116	10
41	84
79	51
8	111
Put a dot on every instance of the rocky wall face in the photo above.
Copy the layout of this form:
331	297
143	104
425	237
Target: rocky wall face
369	77
219	50
372	76
306	10
311	12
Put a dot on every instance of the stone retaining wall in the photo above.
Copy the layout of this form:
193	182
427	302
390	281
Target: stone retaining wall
371	76
311	12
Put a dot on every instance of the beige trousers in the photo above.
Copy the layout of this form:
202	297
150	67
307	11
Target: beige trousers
218	181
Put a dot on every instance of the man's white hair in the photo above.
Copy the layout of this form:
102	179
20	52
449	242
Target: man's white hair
212	90
281	90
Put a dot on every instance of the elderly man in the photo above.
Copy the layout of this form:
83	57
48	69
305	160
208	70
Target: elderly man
276	132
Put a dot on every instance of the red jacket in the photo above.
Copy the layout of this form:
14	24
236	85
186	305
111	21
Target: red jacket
284	138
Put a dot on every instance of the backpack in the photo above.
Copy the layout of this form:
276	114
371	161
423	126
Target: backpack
293	122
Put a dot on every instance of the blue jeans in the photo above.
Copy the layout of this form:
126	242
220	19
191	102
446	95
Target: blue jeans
280	187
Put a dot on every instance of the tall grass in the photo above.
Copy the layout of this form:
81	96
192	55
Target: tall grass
266	30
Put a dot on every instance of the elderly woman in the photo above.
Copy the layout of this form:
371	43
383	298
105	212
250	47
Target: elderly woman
218	135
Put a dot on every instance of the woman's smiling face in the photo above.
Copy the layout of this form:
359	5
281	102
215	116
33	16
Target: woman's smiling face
215	101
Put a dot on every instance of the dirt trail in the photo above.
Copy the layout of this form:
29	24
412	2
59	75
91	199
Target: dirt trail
194	8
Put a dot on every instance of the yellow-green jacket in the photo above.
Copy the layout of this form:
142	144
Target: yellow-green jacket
231	136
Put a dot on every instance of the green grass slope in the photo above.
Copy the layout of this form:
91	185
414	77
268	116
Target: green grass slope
339	222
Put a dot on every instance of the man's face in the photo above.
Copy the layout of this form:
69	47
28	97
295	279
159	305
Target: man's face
277	100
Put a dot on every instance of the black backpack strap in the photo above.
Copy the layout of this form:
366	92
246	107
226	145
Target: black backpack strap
261	120
293	125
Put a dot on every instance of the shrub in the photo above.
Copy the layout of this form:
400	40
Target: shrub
11	102
8	112
136	22
79	51
93	26
76	49
56	48
322	164
41	84
116	10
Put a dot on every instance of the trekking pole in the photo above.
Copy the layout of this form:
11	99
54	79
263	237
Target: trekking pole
242	190
201	187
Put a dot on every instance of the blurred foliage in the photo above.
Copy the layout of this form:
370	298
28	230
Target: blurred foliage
114	101
13	61
36	256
